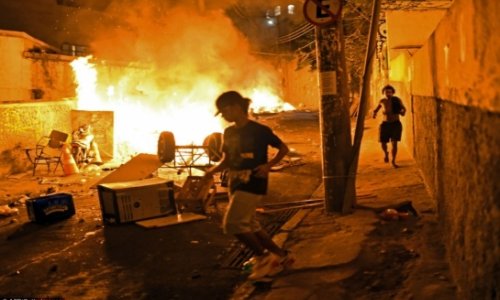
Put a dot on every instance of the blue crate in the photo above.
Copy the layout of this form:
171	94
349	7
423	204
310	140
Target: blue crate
50	208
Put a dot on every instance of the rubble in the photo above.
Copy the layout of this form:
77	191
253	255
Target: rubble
7	211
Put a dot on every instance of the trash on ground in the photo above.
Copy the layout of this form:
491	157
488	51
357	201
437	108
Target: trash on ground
171	220
7	211
153	197
50	180
390	214
277	207
400	211
287	162
90	233
196	194
50	208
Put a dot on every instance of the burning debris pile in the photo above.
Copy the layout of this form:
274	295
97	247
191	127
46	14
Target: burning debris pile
160	67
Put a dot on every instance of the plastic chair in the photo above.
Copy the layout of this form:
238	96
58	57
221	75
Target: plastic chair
48	150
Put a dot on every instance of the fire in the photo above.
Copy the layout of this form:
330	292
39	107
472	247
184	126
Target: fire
263	100
188	114
178	61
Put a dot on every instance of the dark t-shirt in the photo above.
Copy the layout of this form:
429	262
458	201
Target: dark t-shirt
246	148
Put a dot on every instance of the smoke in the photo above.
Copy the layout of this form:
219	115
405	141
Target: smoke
183	46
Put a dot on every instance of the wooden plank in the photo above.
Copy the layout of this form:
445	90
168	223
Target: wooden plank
171	220
139	167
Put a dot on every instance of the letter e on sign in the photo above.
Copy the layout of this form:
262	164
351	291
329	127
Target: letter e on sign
322	12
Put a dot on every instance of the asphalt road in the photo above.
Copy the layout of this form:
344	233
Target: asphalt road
80	258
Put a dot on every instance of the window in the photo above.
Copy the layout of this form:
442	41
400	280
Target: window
277	10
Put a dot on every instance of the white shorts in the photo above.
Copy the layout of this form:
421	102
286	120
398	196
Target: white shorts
240	216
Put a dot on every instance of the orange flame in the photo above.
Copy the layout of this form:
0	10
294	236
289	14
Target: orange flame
184	68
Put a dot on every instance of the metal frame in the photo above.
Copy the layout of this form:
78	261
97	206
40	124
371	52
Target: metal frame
189	155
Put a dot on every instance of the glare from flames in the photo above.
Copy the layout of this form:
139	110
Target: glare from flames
142	110
161	64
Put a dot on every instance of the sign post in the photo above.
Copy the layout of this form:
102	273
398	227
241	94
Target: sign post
334	109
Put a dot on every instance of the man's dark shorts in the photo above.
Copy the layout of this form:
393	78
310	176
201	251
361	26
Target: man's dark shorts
390	131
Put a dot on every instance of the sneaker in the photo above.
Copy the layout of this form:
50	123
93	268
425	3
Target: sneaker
248	265
261	267
281	263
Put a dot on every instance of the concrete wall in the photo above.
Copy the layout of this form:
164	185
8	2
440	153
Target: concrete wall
452	86
25	70
15	78
300	87
23	124
33	82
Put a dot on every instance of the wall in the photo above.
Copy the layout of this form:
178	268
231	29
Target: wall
300	86
27	66
23	124
15	81
33	81
453	83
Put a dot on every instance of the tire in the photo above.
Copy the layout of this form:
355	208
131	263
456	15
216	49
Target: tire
166	147
213	146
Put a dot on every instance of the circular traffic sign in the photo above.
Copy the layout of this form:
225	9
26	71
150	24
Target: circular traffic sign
322	12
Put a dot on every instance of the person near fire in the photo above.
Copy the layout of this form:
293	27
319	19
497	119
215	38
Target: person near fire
245	156
391	127
85	149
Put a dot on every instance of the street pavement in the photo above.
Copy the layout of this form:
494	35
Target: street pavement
361	255
355	256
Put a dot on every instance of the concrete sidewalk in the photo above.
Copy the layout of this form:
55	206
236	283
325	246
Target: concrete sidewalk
361	256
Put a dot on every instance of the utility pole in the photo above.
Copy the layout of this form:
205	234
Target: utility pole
334	109
363	104
201	6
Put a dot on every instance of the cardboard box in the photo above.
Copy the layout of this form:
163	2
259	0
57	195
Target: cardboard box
130	201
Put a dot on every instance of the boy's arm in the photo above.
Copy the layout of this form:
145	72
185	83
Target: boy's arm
263	170
282	151
403	108
376	110
219	167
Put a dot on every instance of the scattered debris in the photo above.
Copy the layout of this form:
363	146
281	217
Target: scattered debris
196	194
171	220
7	211
53	269
390	214
277	207
49	180
91	170
90	233
196	274
287	162
50	208
51	190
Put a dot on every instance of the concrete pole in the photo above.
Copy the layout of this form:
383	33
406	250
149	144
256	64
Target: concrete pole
334	116
201	6
363	103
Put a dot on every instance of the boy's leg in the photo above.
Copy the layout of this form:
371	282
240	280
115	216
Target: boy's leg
267	242
386	153
384	139
396	131
251	240
394	153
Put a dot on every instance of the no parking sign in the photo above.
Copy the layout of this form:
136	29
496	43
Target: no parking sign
322	12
